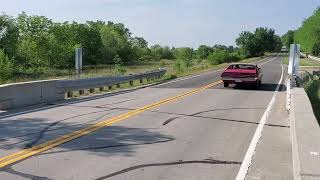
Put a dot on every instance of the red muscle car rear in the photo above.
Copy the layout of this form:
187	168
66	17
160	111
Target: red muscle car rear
242	74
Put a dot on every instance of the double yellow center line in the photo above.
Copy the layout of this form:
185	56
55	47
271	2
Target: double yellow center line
24	154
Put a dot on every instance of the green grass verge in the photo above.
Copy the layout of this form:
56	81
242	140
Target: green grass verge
313	90
204	66
200	67
109	70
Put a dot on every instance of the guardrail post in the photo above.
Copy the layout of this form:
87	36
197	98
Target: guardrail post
70	94
69	87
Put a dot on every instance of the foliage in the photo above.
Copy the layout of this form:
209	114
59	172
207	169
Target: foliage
118	65
308	35
288	38
184	56
6	67
204	51
33	46
221	56
257	43
313	91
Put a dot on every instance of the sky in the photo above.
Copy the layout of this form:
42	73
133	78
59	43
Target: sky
176	23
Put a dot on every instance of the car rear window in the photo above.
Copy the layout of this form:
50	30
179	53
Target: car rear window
242	66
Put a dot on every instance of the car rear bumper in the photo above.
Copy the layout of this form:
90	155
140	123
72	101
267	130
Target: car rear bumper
239	80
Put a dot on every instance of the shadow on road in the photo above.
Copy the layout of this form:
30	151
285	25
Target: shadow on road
264	87
25	133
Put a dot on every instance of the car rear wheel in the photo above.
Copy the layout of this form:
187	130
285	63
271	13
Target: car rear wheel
226	84
258	84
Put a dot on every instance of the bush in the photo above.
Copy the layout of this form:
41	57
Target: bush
178	66
218	57
118	65
6	67
313	90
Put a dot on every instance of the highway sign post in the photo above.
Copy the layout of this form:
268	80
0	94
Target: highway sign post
78	62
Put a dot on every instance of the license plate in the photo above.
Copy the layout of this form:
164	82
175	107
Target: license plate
238	80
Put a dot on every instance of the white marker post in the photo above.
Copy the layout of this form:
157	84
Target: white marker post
294	58
293	69
78	64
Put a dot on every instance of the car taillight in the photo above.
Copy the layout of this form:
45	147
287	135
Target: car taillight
224	74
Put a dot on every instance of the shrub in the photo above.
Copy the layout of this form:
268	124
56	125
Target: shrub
118	65
218	57
178	66
6	67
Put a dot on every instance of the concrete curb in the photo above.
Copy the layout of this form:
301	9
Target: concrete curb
294	144
305	136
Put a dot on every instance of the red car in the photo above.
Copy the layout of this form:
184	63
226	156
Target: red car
249	74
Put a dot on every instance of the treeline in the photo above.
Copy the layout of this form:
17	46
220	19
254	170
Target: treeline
258	42
35	45
308	35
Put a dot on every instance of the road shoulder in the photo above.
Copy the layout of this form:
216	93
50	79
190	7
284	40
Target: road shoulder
273	158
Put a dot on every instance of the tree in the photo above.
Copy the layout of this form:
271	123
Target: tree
219	56
115	40
277	43
33	45
288	38
184	55
203	51
139	42
246	41
9	34
257	43
6	67
308	35
264	39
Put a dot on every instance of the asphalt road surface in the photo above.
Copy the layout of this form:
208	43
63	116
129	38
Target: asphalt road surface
202	133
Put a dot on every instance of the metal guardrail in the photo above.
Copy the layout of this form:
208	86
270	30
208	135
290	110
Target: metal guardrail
47	91
65	86
314	58
310	56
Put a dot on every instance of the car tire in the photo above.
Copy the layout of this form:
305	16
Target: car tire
258	84
225	84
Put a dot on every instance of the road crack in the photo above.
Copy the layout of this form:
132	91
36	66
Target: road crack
179	162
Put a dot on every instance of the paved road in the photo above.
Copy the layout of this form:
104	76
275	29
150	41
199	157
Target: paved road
199	136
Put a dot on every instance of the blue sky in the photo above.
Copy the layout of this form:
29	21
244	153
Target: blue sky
176	22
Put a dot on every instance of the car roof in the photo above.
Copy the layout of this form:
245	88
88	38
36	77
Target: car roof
244	64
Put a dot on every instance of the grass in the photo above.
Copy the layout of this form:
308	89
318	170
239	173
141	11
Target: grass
303	62
197	67
313	90
204	66
109	70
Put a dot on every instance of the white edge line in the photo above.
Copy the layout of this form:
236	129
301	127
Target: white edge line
257	135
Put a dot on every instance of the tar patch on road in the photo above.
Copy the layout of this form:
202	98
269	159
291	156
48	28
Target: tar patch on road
179	162
169	120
